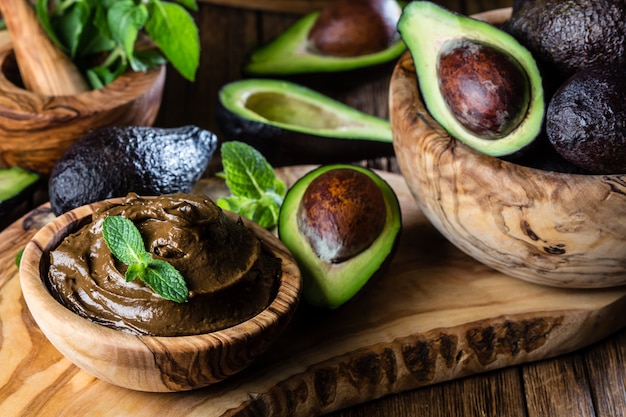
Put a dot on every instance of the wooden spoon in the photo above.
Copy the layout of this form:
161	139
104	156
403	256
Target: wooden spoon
44	68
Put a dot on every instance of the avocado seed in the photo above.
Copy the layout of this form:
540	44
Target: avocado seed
341	213
355	27
487	91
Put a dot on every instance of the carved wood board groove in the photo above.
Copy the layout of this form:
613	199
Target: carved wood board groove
435	315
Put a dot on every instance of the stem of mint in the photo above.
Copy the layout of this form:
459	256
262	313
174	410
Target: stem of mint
126	244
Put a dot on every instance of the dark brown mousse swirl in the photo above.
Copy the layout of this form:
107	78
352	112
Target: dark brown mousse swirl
230	276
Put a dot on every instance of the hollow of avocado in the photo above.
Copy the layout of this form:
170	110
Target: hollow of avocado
295	50
342	224
292	124
478	82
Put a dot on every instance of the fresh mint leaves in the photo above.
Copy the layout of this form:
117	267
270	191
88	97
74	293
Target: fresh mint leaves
85	29
126	244
257	193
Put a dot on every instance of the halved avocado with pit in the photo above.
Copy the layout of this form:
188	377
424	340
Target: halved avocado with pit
288	54
292	124
342	224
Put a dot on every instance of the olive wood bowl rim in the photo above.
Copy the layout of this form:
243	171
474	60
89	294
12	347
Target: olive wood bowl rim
272	320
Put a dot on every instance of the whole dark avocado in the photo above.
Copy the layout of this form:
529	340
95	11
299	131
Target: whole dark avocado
344	36
342	224
112	161
478	82
292	124
586	120
566	36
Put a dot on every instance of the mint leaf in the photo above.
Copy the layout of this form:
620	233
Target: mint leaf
125	21
126	244
257	193
124	240
166	281
174	31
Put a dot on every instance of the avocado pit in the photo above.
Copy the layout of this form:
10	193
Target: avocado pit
350	28
486	90
341	213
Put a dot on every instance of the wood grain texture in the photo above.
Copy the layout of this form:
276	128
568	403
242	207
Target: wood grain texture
36	129
542	226
44	68
436	315
148	363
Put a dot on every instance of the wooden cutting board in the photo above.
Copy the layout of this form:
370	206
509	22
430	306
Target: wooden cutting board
436	315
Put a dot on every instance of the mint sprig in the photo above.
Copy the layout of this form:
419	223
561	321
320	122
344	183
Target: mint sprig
126	244
86	29
257	193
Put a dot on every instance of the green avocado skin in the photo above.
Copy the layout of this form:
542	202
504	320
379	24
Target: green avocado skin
283	147
16	186
113	161
329	285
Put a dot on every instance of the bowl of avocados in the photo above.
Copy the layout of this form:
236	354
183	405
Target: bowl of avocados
36	129
127	333
561	226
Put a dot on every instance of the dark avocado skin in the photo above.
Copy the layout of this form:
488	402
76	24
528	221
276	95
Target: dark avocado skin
283	147
113	161
586	120
550	30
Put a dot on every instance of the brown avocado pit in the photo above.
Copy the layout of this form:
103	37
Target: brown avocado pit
341	213
351	28
484	88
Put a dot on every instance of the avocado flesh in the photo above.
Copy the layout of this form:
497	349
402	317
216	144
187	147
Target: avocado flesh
16	185
330	285
292	124
298	108
427	29
288	54
113	161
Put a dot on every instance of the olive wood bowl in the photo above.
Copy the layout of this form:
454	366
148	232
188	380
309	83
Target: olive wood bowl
36	129
151	363
557	229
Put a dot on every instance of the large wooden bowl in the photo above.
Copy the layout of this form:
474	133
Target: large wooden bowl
148	363
551	228
36	129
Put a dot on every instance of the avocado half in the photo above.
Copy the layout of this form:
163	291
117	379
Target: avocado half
287	54
16	186
429	30
292	124
331	284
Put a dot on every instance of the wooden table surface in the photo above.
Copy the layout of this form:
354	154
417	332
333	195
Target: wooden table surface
589	382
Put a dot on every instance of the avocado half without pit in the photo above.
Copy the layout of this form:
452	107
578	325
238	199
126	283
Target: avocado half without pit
16	186
479	83
292	124
341	223
345	35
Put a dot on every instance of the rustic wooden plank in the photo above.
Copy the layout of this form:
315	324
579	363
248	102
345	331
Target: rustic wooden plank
558	387
606	371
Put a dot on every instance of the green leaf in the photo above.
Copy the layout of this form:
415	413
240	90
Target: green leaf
125	21
166	281
126	244
173	30
124	240
69	26
257	193
190	4
247	172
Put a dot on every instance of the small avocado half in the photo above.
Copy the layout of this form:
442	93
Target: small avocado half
335	265
292	124
288	54
16	185
450	52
